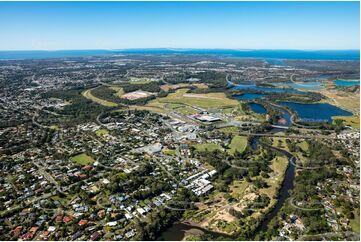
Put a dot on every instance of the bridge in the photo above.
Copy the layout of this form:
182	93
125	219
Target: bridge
279	127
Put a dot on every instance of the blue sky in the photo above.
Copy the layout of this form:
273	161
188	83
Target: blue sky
235	25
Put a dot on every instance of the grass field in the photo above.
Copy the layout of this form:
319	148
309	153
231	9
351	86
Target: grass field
353	121
238	187
140	81
279	166
169	152
280	143
230	130
87	94
207	147
101	132
83	159
238	143
355	223
149	108
205	101
303	145
181	108
167	87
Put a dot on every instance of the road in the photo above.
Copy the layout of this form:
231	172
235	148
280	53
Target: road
47	176
290	136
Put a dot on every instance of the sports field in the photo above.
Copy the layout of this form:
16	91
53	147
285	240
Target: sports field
83	159
207	147
101	132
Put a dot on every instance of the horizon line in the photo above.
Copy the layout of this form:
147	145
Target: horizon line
177	49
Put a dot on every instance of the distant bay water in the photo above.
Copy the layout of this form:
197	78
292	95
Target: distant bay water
266	54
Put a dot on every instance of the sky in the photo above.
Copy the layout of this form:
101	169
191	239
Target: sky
226	25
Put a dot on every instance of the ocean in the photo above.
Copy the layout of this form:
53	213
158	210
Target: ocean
264	54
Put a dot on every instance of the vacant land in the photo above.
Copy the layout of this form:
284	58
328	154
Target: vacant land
353	121
83	159
238	188
348	101
87	94
238	143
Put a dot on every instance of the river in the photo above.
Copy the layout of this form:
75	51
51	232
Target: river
178	230
288	180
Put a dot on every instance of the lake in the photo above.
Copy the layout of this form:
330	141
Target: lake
249	96
253	86
312	85
346	83
316	112
257	108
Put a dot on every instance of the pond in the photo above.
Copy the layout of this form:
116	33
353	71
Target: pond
316	112
346	83
257	108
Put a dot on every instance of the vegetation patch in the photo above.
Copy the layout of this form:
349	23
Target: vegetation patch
87	94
